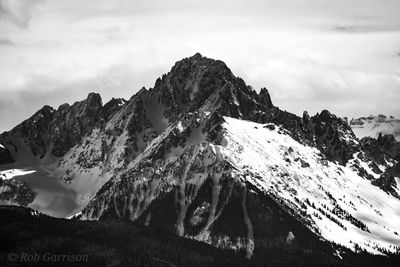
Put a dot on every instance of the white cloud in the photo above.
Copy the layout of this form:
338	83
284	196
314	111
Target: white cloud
17	12
340	55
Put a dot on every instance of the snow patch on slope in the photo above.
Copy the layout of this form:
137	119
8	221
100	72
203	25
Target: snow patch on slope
9	174
397	179
337	204
86	167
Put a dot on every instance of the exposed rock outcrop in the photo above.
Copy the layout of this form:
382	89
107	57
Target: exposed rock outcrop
5	155
14	192
55	132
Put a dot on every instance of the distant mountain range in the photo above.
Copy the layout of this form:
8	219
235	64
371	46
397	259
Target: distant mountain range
205	156
374	125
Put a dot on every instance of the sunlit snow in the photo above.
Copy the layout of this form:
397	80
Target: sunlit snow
8	174
340	205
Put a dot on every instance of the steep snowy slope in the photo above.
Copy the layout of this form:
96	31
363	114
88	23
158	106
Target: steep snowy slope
206	178
340	205
374	125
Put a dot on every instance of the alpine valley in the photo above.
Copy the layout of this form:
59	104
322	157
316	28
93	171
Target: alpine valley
203	156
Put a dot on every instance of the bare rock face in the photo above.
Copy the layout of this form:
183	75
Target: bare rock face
71	123
265	98
330	134
387	183
5	155
113	106
197	80
33	130
382	149
54	132
334	137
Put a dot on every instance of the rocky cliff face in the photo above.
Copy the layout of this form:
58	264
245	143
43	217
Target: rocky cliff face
5	155
202	154
383	151
70	123
55	132
44	141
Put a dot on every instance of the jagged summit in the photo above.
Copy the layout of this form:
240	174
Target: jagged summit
199	59
193	84
197	56
265	98
94	98
56	131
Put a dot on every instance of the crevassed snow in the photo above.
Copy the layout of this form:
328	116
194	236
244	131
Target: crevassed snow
8	174
304	180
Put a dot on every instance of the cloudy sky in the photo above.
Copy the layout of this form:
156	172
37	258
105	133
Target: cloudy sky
341	55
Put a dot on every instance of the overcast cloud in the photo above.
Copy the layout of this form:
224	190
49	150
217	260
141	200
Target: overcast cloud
340	55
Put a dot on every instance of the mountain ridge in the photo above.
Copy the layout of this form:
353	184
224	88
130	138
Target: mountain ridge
174	154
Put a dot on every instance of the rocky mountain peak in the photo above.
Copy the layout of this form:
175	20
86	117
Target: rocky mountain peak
265	98
71	123
46	109
306	117
91	106
334	136
197	82
197	56
327	116
202	154
58	129
198	60
94	99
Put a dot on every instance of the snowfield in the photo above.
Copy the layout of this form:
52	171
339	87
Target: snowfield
9	174
338	204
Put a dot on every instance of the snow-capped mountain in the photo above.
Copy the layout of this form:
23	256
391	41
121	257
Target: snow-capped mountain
204	155
34	153
372	126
